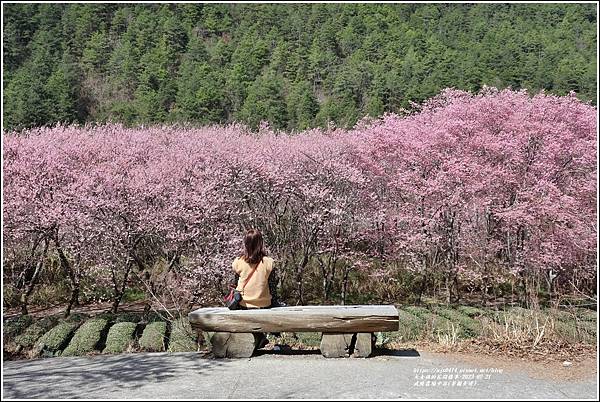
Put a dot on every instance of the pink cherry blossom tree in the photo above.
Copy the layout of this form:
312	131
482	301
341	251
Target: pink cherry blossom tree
467	191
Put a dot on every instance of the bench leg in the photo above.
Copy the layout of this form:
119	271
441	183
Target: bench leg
344	345
365	342
336	345
234	344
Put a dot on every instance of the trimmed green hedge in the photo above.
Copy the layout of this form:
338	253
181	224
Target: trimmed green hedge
520	314
76	317
54	341
312	339
15	326
183	338
587	314
296	339
120	337
588	331
472	312
153	316
574	329
86	338
469	328
47	338
34	332
439	325
419	311
561	315
410	326
128	317
153	337
434	324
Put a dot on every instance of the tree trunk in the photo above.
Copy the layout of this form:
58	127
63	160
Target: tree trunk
73	275
422	288
324	277
299	278
448	289
484	293
328	274
345	284
456	289
116	301
120	288
423	284
24	300
74	299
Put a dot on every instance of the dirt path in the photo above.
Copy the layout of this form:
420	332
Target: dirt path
298	374
581	369
90	309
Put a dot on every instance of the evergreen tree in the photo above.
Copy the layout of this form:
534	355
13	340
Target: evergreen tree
200	88
204	63
302	106
265	102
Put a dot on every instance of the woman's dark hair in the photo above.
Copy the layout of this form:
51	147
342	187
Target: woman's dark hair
255	249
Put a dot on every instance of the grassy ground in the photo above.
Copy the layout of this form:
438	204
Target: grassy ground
500	331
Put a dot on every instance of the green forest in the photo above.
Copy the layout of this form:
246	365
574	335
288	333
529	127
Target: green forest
296	66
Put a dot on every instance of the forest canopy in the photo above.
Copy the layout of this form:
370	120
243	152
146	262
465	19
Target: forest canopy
296	66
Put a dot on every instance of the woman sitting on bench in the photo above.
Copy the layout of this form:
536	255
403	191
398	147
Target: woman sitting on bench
254	275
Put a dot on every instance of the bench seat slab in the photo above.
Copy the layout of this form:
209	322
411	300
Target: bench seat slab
325	319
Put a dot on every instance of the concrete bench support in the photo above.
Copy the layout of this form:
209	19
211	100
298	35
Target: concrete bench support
345	345
234	344
336	345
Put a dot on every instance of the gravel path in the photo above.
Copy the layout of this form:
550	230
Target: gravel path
269	375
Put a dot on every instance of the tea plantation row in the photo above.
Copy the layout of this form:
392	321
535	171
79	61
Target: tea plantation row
81	335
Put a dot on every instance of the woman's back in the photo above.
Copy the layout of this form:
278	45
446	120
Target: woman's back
256	293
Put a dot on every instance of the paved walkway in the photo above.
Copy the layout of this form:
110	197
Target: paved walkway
302	375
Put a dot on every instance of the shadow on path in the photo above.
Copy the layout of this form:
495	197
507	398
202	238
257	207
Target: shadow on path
398	353
287	351
102	374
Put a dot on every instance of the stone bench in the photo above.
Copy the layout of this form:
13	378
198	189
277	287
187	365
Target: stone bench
346	330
